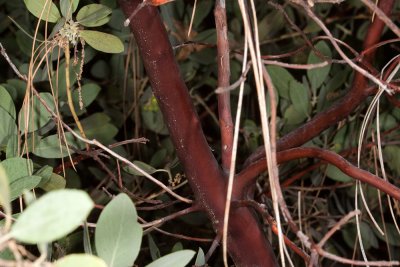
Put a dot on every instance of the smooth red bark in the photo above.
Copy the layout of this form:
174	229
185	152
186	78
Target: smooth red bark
247	244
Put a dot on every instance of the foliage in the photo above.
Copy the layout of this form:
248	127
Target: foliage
85	207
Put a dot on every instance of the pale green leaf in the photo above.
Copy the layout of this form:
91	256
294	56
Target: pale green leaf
98	126
68	7
4	192
154	250
52	216
93	15
18	186
318	75
74	260
44	172
43	9
55	182
300	97
38	114
118	234
292	116
6	102
8	127
281	79
12	146
88	94
176	259
147	168
103	42
51	147
16	168
200	258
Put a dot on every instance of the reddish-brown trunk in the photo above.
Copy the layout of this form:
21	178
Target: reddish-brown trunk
247	244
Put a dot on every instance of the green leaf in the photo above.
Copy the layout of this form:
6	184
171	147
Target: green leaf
6	102
93	15
89	93
154	250
337	175
55	182
5	198
68	7
22	184
103	42
318	76
200	258
368	236
392	159
392	235
292	116
147	168
300	97
98	126
74	260
203	8
153	118
177	247
52	147
118	234
12	147
38	114
52	216
176	259
43	9
8	127
17	168
44	172
59	80
281	79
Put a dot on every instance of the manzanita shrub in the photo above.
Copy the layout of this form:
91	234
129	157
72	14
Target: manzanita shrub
81	86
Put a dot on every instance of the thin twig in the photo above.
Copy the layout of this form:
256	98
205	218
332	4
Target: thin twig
359	69
382	16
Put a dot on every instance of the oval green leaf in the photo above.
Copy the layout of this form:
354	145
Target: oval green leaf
74	260
176	259
281	79
55	182
300	97
18	186
68	7
88	94
103	42
43	9
51	147
52	216
16	168
8	126
145	167
98	126
200	258
118	234
93	15
40	116
6	102
5	194
318	75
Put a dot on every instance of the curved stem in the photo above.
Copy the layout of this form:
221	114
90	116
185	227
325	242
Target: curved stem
246	177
